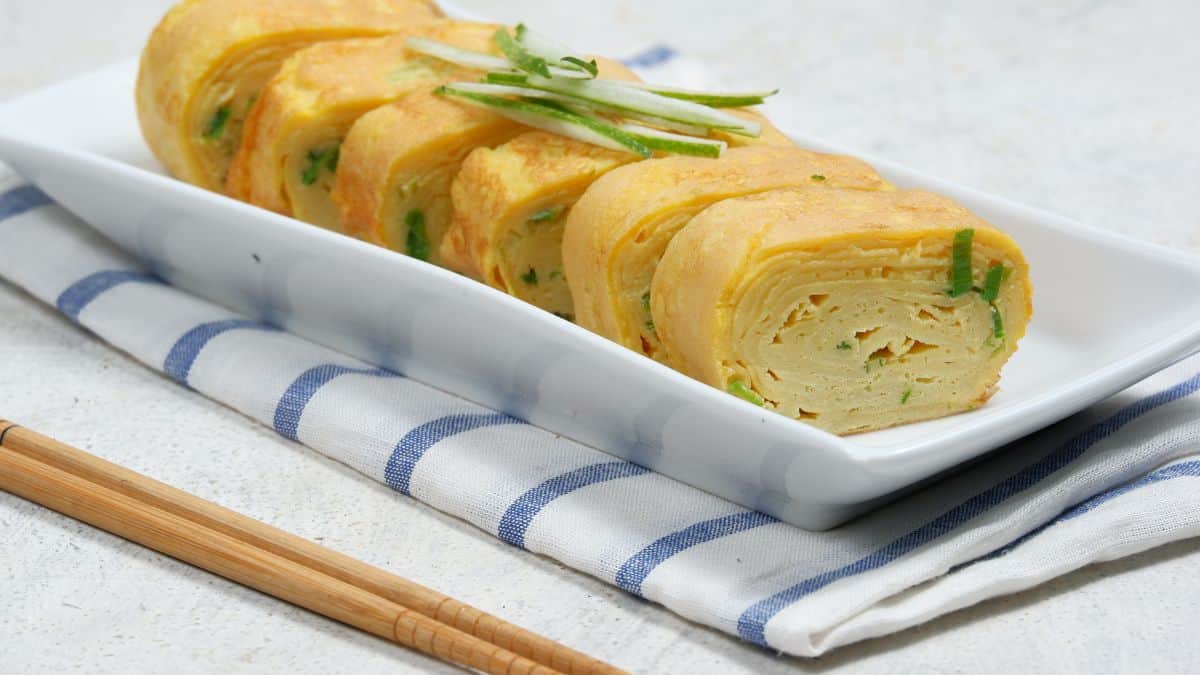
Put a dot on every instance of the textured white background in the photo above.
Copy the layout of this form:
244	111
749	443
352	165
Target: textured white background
1086	108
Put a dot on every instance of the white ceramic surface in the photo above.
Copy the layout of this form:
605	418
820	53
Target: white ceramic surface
476	342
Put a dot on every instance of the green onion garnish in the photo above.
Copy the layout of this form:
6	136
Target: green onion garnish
817	178
504	77
960	263
589	66
553	52
417	241
547	214
518	55
530	277
844	345
646	302
554	120
991	284
536	73
710	99
216	125
904	397
650	326
616	97
997	323
678	144
739	389
317	160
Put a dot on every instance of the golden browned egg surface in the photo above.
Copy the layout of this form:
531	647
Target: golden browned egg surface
291	144
831	306
799	281
617	232
393	185
512	204
206	61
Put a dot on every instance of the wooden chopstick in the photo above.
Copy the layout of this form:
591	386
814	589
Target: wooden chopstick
270	560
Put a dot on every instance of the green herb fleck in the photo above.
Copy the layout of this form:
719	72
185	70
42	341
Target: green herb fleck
905	396
844	345
518	55
817	178
546	215
555	274
650	326
320	159
739	389
997	323
505	78
646	302
588	66
960	263
417	242
216	125
991	284
530	277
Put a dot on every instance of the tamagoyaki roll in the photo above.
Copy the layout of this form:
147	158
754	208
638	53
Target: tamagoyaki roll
207	60
849	310
511	203
393	184
619	229
290	147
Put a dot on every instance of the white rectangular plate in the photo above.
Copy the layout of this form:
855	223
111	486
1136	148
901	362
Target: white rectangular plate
1109	311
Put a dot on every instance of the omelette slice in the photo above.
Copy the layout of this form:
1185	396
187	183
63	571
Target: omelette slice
619	229
291	144
392	186
207	60
511	204
849	310
397	164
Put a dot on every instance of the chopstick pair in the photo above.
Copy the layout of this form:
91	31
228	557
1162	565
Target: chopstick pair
252	553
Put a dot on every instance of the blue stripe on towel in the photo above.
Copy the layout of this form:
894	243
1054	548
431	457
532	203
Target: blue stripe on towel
415	443
520	514
81	293
1182	469
752	623
178	363
654	56
637	568
21	199
293	402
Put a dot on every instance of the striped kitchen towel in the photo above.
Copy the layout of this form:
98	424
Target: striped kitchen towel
1114	480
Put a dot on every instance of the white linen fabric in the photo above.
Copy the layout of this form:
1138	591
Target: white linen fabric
1111	481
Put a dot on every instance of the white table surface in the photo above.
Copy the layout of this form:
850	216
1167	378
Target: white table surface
1087	108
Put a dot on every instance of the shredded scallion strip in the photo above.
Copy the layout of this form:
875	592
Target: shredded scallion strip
739	389
991	283
547	85
552	119
216	125
960	263
519	55
997	323
710	99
